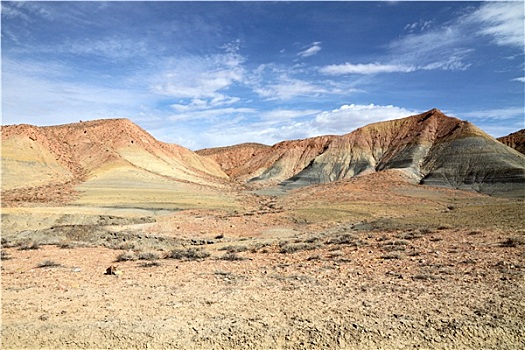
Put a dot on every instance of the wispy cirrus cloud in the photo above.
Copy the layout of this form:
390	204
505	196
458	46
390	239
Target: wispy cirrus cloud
446	47
280	124
199	77
368	68
495	114
41	93
286	88
311	50
503	21
350	117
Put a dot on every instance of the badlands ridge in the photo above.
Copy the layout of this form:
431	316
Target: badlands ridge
59	163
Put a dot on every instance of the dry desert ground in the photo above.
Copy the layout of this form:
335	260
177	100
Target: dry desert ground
360	264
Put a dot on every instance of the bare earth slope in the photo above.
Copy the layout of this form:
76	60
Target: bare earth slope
36	157
104	166
229	158
430	147
515	140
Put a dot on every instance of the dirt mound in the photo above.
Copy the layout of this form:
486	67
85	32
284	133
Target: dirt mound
515	140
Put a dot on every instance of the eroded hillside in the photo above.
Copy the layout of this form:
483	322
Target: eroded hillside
431	148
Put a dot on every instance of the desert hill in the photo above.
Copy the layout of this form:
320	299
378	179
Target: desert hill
431	148
82	149
515	140
229	158
38	163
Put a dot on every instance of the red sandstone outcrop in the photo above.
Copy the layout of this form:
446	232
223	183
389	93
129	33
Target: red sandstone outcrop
515	140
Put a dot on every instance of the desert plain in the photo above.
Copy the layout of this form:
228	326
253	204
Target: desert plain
204	259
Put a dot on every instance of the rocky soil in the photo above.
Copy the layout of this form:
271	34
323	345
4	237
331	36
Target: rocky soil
365	264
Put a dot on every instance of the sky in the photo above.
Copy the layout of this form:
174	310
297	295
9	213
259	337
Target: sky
210	74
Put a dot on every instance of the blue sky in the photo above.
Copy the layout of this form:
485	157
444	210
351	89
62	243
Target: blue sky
206	74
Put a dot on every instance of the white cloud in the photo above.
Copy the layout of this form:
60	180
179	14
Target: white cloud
520	79
504	21
423	25
286	88
454	63
197	77
350	117
210	114
114	48
278	125
312	50
286	114
201	104
369	68
40	94
494	114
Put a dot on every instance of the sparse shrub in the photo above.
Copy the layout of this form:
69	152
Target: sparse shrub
314	257
334	255
391	256
48	263
411	235
399	245
128	256
150	264
33	245
148	256
188	254
222	273
125	246
345	239
426	230
235	248
425	277
292	248
512	242
258	246
474	233
70	244
231	256
4	255
311	240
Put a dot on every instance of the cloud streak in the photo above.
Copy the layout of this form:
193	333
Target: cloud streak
503	21
369	68
312	50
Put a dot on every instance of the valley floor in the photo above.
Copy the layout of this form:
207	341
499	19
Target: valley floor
341	266
287	286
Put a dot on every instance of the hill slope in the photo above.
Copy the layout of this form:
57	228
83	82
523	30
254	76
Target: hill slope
430	148
515	140
113	153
